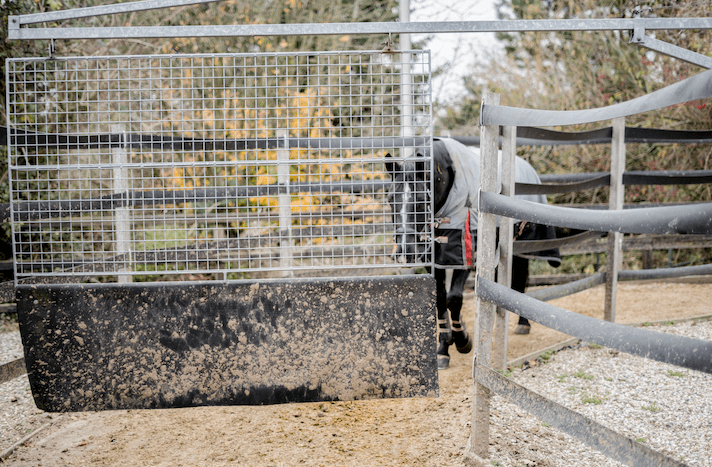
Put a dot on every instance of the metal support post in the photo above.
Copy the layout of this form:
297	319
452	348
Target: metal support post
617	191
406	80
122	214
285	206
478	444
506	238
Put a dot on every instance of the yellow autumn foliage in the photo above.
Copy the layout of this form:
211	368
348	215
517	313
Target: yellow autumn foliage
305	203
266	179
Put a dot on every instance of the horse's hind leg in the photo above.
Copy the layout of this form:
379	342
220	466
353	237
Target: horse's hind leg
520	276
444	329
460	336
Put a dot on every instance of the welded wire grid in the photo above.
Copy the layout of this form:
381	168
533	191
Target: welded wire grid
153	165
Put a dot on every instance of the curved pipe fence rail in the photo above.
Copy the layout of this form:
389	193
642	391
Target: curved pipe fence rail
691	219
491	320
690	89
563	290
676	350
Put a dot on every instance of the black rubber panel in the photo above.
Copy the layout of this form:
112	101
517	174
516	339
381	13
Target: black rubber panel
28	210
529	246
678	177
550	188
636	177
563	290
146	346
556	183
526	136
178	143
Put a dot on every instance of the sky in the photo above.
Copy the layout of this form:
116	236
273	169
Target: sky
462	51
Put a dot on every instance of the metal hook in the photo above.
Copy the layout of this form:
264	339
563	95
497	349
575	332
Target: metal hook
388	49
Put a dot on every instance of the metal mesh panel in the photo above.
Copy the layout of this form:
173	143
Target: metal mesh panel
209	164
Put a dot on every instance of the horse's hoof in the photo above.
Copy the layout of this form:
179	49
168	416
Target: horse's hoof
522	329
466	347
443	362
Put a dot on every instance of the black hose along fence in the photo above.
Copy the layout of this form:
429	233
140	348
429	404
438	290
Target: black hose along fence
693	219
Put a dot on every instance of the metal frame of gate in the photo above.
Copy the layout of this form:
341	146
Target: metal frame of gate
219	164
236	166
231	167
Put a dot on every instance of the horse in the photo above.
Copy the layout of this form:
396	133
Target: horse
455	179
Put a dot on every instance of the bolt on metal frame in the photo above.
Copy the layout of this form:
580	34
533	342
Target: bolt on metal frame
134	165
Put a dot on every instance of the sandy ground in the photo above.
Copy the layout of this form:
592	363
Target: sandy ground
397	432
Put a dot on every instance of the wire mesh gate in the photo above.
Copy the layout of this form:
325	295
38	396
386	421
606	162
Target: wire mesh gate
209	163
227	165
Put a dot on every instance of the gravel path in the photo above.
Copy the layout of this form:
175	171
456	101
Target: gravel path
10	346
18	414
666	407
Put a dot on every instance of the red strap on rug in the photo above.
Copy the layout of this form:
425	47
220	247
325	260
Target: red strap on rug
468	240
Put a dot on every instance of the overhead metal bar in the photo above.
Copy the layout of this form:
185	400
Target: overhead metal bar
247	30
50	16
670	50
638	37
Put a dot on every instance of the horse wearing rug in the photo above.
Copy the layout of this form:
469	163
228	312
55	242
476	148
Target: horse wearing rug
455	174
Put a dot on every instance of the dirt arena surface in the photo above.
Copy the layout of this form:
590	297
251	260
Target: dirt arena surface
397	432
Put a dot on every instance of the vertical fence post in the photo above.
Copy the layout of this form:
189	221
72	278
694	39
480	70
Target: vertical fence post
405	76
285	205
122	214
478	444
506	237
617	192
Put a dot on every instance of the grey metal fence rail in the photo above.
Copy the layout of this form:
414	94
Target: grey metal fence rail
692	219
696	87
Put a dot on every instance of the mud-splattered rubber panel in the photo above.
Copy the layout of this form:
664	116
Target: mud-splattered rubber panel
118	346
